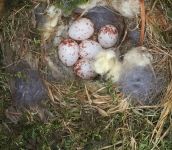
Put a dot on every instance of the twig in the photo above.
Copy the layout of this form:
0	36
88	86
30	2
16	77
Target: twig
143	22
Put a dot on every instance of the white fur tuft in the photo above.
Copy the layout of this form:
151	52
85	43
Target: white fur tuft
138	57
127	8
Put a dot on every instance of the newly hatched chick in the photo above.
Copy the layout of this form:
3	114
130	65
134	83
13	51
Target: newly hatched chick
127	8
107	63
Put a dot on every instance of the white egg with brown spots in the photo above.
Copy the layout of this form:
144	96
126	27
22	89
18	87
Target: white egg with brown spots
68	52
89	49
81	29
84	69
108	36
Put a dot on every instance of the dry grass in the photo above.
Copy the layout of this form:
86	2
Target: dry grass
88	114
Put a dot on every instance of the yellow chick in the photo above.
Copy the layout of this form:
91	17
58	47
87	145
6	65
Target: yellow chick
127	8
107	63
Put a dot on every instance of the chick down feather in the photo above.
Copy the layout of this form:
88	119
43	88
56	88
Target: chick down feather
107	63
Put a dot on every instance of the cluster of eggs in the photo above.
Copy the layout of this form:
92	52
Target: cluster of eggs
79	50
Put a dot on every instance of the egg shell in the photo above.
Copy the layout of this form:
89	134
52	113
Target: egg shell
108	36
68	52
89	48
84	69
81	29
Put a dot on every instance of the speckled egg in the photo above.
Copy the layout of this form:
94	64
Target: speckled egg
81	29
108	36
83	68
89	48
68	52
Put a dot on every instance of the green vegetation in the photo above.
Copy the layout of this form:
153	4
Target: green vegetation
69	5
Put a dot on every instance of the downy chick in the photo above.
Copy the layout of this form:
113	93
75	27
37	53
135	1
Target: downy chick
107	63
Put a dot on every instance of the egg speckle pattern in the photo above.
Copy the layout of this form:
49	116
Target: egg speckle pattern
83	68
108	36
68	52
81	29
89	48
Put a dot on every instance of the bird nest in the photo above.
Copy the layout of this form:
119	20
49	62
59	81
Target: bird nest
95	100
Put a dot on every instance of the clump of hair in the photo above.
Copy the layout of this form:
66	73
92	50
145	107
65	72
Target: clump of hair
141	85
27	87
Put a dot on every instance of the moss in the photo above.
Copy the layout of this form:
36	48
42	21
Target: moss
69	5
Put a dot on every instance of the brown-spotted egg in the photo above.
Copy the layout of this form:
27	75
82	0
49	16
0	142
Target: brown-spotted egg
81	29
108	36
68	52
89	48
84	69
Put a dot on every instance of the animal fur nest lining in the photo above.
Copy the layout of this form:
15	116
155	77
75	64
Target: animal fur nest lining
21	42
